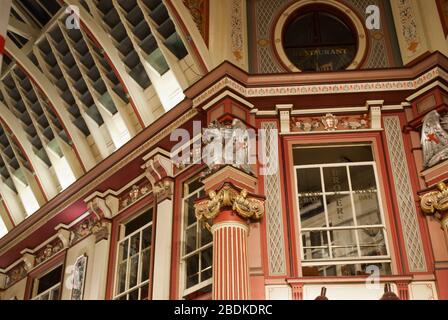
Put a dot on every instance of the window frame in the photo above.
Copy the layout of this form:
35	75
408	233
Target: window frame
315	142
331	5
121	238
35	281
184	291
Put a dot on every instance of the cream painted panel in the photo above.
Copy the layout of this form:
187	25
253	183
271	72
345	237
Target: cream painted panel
17	291
86	246
278	292
422	291
345	291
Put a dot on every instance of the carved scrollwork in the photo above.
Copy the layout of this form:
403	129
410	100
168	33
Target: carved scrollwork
246	207
436	202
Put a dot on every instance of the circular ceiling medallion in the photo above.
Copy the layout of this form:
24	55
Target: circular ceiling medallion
320	36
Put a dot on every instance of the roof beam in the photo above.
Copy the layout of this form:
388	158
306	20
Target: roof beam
136	94
22	29
190	35
43	174
81	145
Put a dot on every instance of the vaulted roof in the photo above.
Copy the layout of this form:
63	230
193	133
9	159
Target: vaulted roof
78	80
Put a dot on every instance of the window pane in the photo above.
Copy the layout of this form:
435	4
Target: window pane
344	243
45	297
367	209
363	178
55	294
206	236
316	253
312	212
146	237
145	265
206	258
320	155
133	271
123	251
372	242
315	245
339	210
49	280
336	179
344	270
139	222
121	286
144	292
189	208
192	270
207	274
308	180
133	295
190	241
315	238
193	186
135	244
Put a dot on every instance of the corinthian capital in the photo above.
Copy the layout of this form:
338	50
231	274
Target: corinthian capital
436	202
245	206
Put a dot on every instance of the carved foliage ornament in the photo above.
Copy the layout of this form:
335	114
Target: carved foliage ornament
134	194
91	225
246	207
436	202
48	251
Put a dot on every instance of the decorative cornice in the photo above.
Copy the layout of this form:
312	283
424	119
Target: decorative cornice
319	89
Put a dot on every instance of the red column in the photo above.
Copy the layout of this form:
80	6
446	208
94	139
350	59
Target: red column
230	266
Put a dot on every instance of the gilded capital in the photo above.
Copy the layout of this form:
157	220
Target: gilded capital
436	202
245	206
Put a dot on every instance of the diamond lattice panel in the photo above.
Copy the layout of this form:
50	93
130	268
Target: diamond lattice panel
407	209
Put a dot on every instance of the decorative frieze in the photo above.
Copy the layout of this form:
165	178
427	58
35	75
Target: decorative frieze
91	225
16	274
330	123
135	193
49	250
